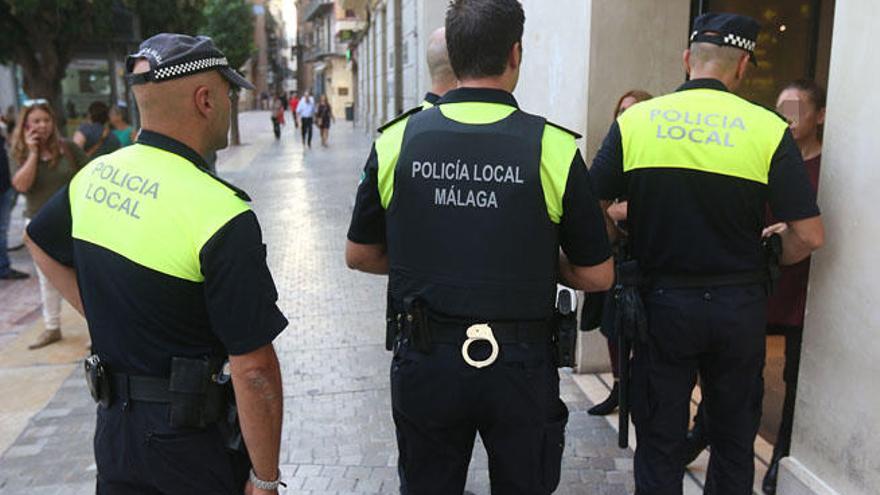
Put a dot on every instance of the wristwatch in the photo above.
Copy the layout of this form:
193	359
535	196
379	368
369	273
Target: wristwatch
263	484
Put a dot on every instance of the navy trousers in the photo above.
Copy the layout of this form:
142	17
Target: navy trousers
137	452
440	403
718	332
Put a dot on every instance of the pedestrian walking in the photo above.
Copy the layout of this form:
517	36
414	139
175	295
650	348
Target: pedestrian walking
7	202
167	263
473	252
697	167
305	110
277	116
122	129
294	101
42	163
96	137
323	117
617	213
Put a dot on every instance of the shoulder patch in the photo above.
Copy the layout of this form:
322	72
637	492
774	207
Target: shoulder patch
408	113
575	134
238	192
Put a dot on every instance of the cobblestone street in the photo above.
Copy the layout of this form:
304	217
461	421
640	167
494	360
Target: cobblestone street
338	432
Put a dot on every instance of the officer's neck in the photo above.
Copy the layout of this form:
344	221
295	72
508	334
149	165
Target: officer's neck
502	83
194	140
727	78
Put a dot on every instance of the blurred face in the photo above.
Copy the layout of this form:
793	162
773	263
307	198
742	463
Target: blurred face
40	123
625	104
801	113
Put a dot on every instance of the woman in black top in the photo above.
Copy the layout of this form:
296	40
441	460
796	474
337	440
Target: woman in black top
324	114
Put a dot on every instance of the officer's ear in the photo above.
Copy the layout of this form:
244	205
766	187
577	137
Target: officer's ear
742	67
514	59
686	60
205	101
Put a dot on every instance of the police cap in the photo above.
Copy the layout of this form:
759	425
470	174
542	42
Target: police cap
172	56
734	30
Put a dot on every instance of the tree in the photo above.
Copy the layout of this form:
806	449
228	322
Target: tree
41	36
231	24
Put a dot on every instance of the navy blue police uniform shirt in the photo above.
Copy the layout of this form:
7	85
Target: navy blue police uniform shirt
577	227
140	318
684	221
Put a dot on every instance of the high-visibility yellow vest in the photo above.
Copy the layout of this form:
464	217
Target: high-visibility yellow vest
701	129
151	206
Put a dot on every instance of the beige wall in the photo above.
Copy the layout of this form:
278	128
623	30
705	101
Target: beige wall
635	44
838	404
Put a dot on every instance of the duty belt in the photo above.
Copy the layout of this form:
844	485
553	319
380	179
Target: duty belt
444	331
141	388
688	281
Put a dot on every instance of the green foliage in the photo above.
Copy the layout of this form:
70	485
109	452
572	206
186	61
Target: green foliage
231	24
169	16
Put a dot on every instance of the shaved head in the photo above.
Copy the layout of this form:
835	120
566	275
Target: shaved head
724	63
442	77
190	109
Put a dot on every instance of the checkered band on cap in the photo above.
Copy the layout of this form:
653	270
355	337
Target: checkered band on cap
187	68
740	42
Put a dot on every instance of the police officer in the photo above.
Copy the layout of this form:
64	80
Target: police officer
698	167
442	77
465	206
167	264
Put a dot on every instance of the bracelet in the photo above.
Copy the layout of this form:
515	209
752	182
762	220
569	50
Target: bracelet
263	484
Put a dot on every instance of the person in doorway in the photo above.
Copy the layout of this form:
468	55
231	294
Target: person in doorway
43	163
323	117
802	103
305	110
96	137
617	212
122	129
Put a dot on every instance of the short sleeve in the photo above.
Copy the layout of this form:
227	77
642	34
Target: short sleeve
368	218
239	290
607	169
51	229
582	226
791	194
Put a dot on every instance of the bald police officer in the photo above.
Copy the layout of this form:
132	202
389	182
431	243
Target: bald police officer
167	264
699	166
442	76
465	205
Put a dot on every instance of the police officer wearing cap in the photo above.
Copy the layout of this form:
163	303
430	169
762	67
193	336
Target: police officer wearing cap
167	264
698	166
465	205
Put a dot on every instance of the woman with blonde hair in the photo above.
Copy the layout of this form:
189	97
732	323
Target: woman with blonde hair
42	163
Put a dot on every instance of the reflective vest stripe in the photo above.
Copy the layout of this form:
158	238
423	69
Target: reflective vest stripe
701	129
558	149
152	207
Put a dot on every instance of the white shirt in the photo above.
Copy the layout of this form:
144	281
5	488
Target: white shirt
306	108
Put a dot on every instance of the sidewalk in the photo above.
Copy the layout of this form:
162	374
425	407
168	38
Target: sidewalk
338	434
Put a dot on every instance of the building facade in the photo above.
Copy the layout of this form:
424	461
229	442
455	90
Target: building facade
581	55
326	31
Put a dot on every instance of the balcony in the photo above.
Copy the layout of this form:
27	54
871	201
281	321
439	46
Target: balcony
317	8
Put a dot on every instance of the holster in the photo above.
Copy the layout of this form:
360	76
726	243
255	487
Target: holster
197	400
98	381
772	253
565	335
414	324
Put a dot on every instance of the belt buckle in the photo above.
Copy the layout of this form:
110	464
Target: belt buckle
481	331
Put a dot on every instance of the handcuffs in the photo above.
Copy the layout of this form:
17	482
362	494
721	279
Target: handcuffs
475	333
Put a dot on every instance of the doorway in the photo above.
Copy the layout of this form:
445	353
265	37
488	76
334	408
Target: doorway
794	43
